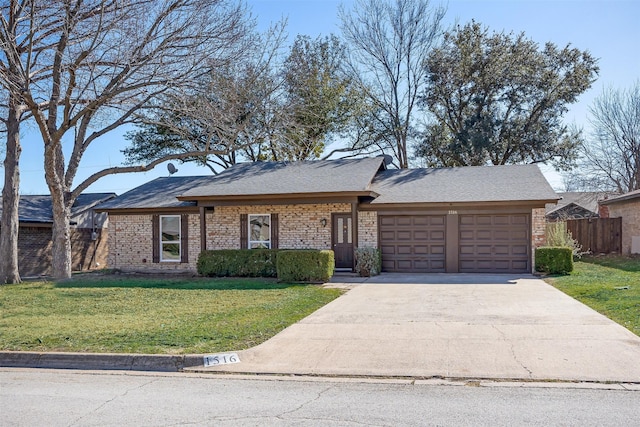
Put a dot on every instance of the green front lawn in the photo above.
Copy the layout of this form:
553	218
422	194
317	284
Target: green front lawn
144	315
609	285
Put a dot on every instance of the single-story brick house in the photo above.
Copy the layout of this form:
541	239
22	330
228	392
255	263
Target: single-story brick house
88	233
469	219
627	207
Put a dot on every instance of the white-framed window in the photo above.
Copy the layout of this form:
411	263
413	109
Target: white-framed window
170	250
259	231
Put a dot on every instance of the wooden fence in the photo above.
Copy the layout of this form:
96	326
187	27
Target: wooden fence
597	235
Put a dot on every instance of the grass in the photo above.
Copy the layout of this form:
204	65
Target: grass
151	315
609	285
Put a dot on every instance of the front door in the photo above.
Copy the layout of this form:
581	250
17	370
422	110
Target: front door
342	239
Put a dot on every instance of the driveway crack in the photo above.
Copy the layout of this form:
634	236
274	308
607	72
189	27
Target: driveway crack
513	351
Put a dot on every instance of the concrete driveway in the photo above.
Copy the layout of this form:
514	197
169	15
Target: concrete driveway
453	326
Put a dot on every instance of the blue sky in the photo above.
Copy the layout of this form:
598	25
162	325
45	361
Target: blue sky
609	29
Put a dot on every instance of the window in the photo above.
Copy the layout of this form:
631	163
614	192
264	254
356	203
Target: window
259	231
170	227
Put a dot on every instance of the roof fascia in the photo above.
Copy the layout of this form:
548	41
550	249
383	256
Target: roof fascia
618	199
456	205
325	197
147	211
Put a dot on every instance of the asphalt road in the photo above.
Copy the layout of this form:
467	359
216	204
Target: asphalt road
30	397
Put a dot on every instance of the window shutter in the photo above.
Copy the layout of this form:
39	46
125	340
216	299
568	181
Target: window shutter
184	238
274	231
244	231
155	237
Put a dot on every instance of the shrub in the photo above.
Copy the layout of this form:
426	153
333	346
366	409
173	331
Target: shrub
554	260
305	265
558	236
238	263
367	261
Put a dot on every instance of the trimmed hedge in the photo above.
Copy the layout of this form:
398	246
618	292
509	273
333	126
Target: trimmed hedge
307	265
368	261
554	259
238	263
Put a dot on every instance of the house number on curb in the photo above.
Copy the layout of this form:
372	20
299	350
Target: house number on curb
220	359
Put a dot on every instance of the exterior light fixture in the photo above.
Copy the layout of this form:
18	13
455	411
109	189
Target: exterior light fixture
323	221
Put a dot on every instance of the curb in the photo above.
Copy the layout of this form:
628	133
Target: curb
100	361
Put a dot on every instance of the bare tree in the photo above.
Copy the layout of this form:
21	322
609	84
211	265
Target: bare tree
231	116
612	153
100	62
389	42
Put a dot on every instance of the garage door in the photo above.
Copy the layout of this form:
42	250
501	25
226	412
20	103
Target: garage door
494	243
412	243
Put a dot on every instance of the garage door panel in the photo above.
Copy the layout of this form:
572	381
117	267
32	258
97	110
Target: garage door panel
437	235
386	220
418	242
483	220
484	235
421	249
520	219
403	221
466	235
436	220
387	249
403	235
519	250
421	235
438	249
403	249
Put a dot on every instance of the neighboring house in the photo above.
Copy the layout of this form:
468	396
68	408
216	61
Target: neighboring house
88	233
627	207
470	219
576	205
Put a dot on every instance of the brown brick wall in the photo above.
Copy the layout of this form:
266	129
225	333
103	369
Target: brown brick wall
130	244
629	210
538	227
299	225
368	229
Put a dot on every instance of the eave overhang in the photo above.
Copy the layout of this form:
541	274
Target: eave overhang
279	199
456	205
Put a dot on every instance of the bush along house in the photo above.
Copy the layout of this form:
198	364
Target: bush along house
467	219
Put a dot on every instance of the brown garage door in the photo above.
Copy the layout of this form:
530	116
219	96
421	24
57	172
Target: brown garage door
412	243
494	243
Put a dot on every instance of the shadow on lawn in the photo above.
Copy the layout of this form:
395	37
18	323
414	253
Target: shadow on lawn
181	283
626	263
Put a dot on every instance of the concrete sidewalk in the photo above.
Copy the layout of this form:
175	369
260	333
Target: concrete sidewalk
453	326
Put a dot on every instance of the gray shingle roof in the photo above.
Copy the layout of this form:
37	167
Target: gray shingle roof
509	183
270	178
159	193
38	208
623	197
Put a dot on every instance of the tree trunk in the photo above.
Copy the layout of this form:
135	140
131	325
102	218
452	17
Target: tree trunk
10	198
61	237
61	204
